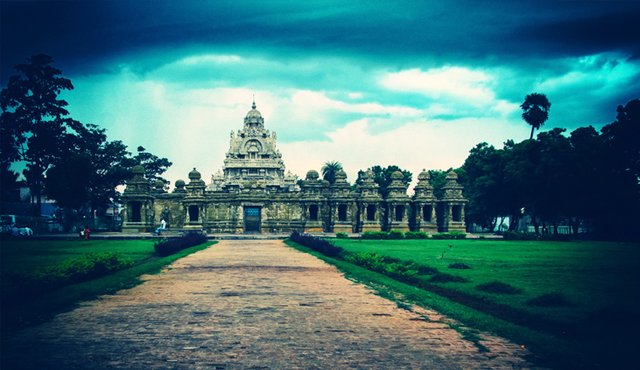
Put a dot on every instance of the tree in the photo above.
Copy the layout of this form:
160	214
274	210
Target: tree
483	183
329	170
112	163
8	185
68	181
154	166
382	176
35	122
535	110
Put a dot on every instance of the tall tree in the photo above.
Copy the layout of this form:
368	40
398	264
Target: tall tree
35	121
329	170
535	111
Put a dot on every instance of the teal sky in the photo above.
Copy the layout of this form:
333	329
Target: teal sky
411	83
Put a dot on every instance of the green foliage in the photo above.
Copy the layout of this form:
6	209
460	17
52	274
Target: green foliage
374	235
438	180
558	178
459	266
535	110
451	235
73	270
342	235
68	182
153	165
416	235
317	244
329	171
34	125
382	177
395	234
498	287
166	247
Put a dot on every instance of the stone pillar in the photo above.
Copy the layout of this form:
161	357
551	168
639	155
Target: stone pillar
452	197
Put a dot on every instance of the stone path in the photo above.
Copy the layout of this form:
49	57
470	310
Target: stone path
251	304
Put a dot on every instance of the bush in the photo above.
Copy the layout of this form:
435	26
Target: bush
451	235
395	234
498	287
167	247
317	244
342	235
459	266
374	235
74	270
416	235
549	300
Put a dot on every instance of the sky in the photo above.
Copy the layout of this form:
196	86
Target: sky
410	83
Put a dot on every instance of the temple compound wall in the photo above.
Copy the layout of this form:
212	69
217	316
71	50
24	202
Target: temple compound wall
254	195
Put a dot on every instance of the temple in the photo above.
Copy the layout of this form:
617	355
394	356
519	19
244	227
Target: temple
253	194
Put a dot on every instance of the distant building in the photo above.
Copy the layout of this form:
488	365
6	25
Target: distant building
253	193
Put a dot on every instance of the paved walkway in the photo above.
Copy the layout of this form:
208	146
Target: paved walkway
251	304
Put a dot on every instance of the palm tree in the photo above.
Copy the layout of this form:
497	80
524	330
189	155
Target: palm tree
535	110
330	169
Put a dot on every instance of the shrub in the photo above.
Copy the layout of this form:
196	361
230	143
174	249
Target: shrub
459	266
395	234
549	300
498	287
451	235
374	235
342	235
71	271
442	277
167	247
317	244
416	235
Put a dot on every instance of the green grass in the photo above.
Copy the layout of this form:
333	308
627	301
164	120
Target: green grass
27	256
599	283
591	275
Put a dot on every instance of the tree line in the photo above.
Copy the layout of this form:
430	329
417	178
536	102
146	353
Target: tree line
70	162
587	179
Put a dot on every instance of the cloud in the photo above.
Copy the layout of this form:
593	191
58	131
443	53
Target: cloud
456	82
419	144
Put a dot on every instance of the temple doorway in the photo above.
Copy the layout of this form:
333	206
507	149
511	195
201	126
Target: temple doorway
252	219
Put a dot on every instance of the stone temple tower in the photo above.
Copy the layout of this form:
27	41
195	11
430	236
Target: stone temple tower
252	158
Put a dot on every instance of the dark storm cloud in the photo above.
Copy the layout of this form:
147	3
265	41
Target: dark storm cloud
619	31
79	34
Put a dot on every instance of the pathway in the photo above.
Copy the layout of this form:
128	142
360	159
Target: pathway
251	304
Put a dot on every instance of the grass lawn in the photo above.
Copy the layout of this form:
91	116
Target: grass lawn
29	257
595	322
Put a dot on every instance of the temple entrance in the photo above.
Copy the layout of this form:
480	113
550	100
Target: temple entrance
252	219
